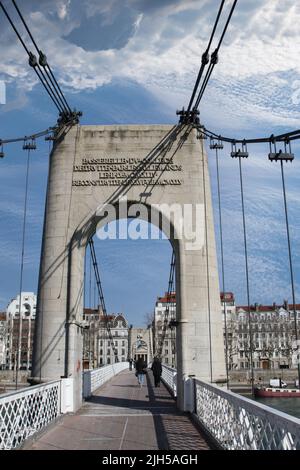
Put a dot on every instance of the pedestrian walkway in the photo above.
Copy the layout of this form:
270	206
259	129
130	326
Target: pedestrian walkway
122	416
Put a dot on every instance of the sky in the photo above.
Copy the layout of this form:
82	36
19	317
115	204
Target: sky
135	62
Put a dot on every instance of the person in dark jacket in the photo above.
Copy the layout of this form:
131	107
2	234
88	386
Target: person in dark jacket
140	367
157	371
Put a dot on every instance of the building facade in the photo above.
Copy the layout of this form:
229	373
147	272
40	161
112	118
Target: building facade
165	334
272	334
20	318
141	344
228	309
105	339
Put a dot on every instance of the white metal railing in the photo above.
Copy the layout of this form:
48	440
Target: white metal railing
94	378
25	412
169	377
238	423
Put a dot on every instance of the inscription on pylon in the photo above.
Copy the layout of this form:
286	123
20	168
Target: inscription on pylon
120	172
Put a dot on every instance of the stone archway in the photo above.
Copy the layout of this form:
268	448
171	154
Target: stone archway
93	171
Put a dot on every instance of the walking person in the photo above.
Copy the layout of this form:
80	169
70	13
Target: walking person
140	366
130	364
157	371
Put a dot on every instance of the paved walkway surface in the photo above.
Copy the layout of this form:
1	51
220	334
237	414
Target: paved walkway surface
122	416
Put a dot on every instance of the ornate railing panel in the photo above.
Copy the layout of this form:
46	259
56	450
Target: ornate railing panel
25	412
238	423
93	379
169	377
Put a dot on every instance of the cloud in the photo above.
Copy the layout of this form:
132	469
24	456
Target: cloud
95	47
159	45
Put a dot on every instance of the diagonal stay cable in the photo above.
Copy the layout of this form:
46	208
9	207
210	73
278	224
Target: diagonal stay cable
101	296
169	299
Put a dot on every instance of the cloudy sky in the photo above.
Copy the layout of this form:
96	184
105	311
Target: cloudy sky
135	61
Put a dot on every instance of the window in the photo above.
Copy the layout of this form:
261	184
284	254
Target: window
101	352
108	352
123	343
166	351
116	343
123	359
123	352
108	360
166	360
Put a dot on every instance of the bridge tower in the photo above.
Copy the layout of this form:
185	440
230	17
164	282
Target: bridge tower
95	171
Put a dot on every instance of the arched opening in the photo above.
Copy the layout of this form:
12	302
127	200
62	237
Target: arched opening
133	261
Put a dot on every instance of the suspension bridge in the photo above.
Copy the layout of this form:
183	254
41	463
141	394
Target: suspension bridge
93	169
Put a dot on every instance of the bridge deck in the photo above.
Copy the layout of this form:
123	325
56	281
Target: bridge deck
122	416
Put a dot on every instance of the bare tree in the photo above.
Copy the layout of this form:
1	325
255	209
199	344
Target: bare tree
149	318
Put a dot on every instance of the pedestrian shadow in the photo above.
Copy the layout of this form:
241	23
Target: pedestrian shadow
174	429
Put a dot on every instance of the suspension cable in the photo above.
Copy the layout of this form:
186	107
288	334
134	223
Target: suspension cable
44	72
207	262
44	64
222	264
19	351
38	73
35	136
292	135
205	58
214	58
247	277
290	261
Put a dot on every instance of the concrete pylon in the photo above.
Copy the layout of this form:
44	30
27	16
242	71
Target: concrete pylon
96	174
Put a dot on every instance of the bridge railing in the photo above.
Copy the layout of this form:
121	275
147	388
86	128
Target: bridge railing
25	412
238	423
169	377
94	378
